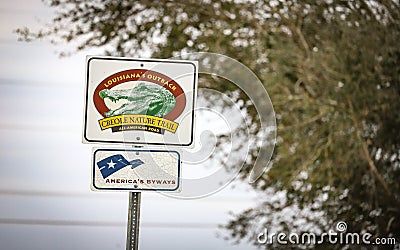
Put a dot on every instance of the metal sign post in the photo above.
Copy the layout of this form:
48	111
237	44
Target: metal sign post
138	102
132	234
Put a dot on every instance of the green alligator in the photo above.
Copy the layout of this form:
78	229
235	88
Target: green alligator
144	99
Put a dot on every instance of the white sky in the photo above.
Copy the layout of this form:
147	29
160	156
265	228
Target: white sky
45	172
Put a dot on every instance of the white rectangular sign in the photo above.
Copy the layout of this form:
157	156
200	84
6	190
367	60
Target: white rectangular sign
136	170
138	101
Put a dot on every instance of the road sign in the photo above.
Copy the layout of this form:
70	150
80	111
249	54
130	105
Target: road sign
139	101
136	170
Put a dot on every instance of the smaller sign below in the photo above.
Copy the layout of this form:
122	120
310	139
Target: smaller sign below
136	170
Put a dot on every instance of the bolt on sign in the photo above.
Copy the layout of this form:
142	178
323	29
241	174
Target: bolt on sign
137	101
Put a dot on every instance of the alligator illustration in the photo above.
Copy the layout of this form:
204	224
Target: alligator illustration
143	99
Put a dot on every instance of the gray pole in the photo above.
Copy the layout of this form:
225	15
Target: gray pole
132	234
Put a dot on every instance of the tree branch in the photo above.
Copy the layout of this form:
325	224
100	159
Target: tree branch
365	151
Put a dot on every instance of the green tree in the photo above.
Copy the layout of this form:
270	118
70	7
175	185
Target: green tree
332	69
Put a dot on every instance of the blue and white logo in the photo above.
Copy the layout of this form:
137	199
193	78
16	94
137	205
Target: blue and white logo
114	163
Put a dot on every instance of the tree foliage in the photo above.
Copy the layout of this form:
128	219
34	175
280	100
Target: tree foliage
332	69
